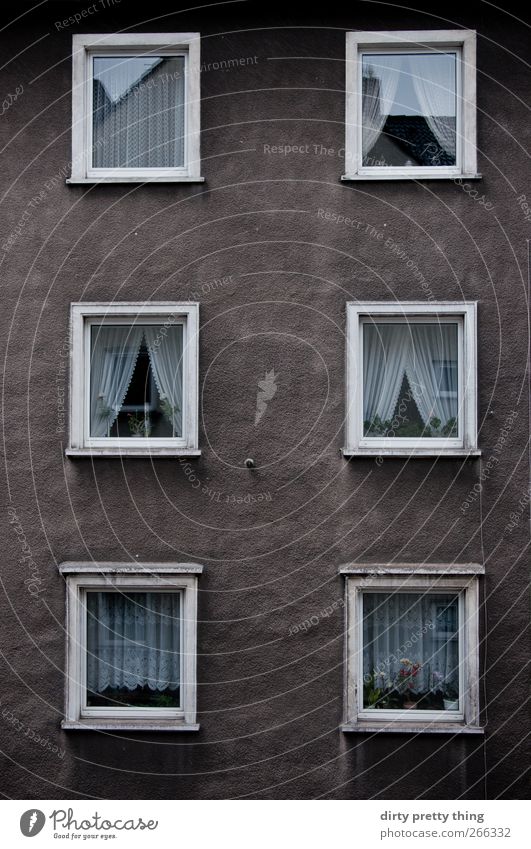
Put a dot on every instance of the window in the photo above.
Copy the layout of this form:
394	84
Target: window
136	107
131	645
411	379
411	104
134	377
412	647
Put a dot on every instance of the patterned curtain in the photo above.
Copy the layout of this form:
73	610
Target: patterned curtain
133	640
138	112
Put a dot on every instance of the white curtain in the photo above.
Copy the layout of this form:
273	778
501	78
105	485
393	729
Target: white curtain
166	358
432	370
138	112
133	641
426	354
379	84
419	628
434	81
385	354
114	353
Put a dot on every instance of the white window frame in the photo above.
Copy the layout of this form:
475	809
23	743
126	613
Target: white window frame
462	42
405	578
125	577
85	49
465	314
83	315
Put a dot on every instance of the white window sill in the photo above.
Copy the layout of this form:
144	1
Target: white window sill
411	452
398	727
128	725
150	452
132	179
421	175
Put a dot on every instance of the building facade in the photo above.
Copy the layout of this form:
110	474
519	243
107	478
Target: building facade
265	284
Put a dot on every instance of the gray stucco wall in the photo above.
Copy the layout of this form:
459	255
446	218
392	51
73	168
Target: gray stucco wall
269	702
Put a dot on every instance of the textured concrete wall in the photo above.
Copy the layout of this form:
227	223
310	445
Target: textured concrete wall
269	702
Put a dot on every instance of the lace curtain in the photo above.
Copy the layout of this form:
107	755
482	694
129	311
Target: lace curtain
432	370
434	81
166	358
138	112
114	353
422	629
425	353
428	78
384	362
133	640
380	80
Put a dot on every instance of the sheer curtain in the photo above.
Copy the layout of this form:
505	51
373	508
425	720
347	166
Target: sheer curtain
426	354
408	625
385	354
114	353
380	80
434	81
133	641
432	370
166	358
138	112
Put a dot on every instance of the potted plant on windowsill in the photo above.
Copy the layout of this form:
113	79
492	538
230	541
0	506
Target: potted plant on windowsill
139	426
169	410
446	691
375	690
405	681
104	411
450	697
401	426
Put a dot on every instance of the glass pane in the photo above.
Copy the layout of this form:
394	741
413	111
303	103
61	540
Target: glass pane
409	109
133	649
410	651
410	380
136	381
138	112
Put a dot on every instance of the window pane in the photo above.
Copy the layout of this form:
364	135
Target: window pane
410	380
410	651
133	649
138	112
409	109
136	381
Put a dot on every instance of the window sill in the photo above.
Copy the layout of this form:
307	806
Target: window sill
128	725
397	727
133	452
458	453
422	175
72	181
